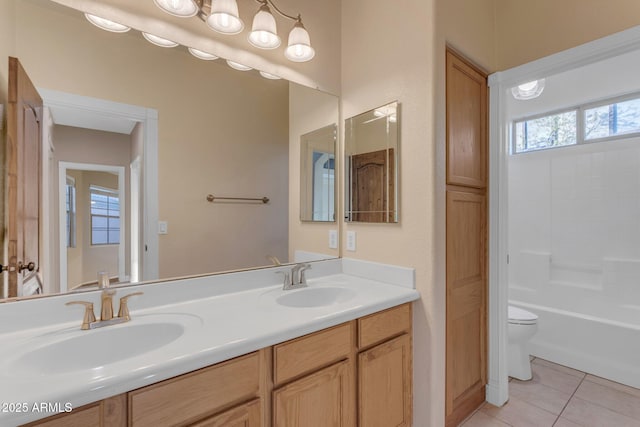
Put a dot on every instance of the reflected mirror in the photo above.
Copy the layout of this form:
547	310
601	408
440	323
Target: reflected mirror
371	147
318	174
217	131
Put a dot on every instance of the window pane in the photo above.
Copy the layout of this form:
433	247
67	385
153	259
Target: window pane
114	236
613	119
114	223
99	222
556	130
99	237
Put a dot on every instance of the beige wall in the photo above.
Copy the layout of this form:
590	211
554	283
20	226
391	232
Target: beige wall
528	30
309	110
388	54
220	131
78	145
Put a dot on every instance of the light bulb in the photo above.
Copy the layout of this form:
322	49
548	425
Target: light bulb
264	34
528	90
299	47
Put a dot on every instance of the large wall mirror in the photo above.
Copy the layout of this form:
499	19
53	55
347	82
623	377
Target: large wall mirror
318	175
371	147
218	131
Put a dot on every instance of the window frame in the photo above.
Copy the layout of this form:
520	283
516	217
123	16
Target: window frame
109	192
581	111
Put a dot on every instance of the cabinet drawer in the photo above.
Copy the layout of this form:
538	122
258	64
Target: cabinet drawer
378	327
247	415
191	397
311	352
87	417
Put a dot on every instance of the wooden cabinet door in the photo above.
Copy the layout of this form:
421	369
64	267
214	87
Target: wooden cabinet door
466	124
322	399
466	230
385	384
23	179
247	415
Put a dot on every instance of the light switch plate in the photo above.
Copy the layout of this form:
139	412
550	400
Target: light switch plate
351	241
163	227
333	239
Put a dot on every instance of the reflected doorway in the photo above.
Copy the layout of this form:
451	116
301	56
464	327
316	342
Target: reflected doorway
95	226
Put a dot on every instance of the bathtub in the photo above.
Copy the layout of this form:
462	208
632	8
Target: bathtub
605	347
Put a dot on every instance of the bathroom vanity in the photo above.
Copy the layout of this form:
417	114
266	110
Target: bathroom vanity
335	353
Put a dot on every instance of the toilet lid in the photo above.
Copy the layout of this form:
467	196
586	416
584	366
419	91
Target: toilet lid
519	315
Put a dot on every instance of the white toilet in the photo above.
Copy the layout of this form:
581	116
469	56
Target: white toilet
522	326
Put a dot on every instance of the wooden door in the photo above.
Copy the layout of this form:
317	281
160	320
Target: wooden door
24	133
247	415
466	239
384	384
372	199
322	399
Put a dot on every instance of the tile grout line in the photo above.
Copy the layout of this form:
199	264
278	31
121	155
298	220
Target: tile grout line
572	394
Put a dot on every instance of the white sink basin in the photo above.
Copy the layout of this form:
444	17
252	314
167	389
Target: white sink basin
315	297
96	348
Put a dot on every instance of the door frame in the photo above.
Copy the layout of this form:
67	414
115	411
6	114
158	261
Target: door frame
63	167
500	84
148	118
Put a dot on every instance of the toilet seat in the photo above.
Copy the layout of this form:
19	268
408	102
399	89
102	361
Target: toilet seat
518	316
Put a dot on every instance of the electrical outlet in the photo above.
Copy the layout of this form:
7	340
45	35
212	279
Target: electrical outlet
333	239
163	227
351	241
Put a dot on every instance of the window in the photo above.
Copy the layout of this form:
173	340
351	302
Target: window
613	119
581	124
70	202
105	216
556	130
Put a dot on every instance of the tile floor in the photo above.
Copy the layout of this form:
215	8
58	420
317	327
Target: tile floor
558	396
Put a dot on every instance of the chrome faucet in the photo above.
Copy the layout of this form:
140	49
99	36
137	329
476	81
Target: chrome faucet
106	310
296	278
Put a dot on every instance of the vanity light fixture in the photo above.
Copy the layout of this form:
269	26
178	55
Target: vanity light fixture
529	90
202	55
106	24
222	16
179	8
159	41
269	76
238	66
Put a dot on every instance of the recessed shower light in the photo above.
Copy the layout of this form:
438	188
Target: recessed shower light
529	90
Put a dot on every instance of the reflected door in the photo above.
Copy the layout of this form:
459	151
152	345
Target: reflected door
371	197
23	185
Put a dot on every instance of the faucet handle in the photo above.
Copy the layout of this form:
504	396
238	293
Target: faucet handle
287	278
303	279
89	316
123	311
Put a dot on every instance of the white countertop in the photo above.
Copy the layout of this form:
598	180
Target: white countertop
217	328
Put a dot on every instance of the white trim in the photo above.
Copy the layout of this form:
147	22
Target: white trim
148	117
62	182
500	83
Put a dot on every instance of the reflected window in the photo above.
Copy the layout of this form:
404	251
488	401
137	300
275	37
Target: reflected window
105	216
323	186
70	202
